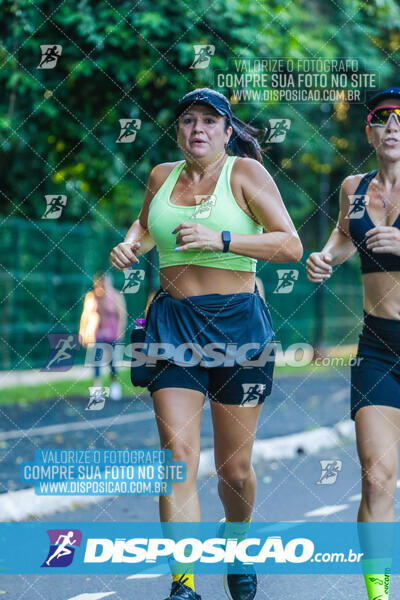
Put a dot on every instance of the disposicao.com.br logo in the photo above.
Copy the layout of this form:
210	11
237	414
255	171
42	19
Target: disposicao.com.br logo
188	550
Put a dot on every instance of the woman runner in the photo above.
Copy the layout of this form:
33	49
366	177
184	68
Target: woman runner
207	215
369	221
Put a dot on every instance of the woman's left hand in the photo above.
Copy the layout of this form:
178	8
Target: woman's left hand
384	239
194	235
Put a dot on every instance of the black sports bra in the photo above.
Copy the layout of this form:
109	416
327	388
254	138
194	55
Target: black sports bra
360	223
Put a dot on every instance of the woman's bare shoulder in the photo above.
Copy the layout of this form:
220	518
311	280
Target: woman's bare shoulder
350	183
245	167
158	175
244	164
248	171
160	172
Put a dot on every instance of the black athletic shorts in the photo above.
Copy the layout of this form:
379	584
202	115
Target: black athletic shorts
237	384
375	379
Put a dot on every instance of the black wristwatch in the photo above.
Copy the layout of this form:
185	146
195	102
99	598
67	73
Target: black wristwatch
226	238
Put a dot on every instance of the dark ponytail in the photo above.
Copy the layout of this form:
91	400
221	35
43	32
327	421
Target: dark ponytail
245	139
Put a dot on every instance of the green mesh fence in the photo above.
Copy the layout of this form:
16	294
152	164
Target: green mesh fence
48	266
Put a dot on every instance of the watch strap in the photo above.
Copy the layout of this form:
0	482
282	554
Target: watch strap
226	238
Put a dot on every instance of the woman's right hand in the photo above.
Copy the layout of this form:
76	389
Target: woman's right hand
319	266
123	255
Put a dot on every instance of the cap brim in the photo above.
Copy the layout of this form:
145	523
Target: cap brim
187	104
375	101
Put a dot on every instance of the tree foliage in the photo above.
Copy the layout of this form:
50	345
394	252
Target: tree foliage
58	127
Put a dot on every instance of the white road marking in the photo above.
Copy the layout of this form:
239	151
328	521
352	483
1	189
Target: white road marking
21	504
346	429
80	425
92	596
355	498
144	576
340	395
281	527
324	511
77	425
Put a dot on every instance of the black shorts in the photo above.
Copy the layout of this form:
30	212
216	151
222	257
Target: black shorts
375	378
237	384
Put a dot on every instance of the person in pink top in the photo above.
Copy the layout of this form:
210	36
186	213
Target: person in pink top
103	320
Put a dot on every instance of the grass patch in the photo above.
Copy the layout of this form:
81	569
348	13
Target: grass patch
63	388
311	369
20	394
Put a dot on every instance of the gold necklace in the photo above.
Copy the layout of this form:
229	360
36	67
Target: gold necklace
381	198
385	201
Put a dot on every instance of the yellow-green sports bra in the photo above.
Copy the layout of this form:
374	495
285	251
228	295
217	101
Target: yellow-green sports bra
218	211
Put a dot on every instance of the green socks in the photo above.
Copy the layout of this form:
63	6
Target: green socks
377	584
236	530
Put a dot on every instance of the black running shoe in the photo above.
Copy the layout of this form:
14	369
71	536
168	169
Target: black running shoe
241	586
180	591
238	586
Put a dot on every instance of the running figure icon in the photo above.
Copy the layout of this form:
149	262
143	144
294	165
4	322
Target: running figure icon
63	345
62	549
50	55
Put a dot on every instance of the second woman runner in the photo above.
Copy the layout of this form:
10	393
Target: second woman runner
369	221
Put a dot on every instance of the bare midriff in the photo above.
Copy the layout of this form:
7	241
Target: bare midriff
382	294
194	280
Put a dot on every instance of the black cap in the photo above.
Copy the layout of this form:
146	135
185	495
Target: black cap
393	92
205	96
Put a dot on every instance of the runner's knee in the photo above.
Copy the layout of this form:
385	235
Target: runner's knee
235	473
379	477
186	452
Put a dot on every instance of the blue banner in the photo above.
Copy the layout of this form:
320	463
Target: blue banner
282	548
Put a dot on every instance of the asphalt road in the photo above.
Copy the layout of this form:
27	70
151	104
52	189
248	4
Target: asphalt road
287	489
297	403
